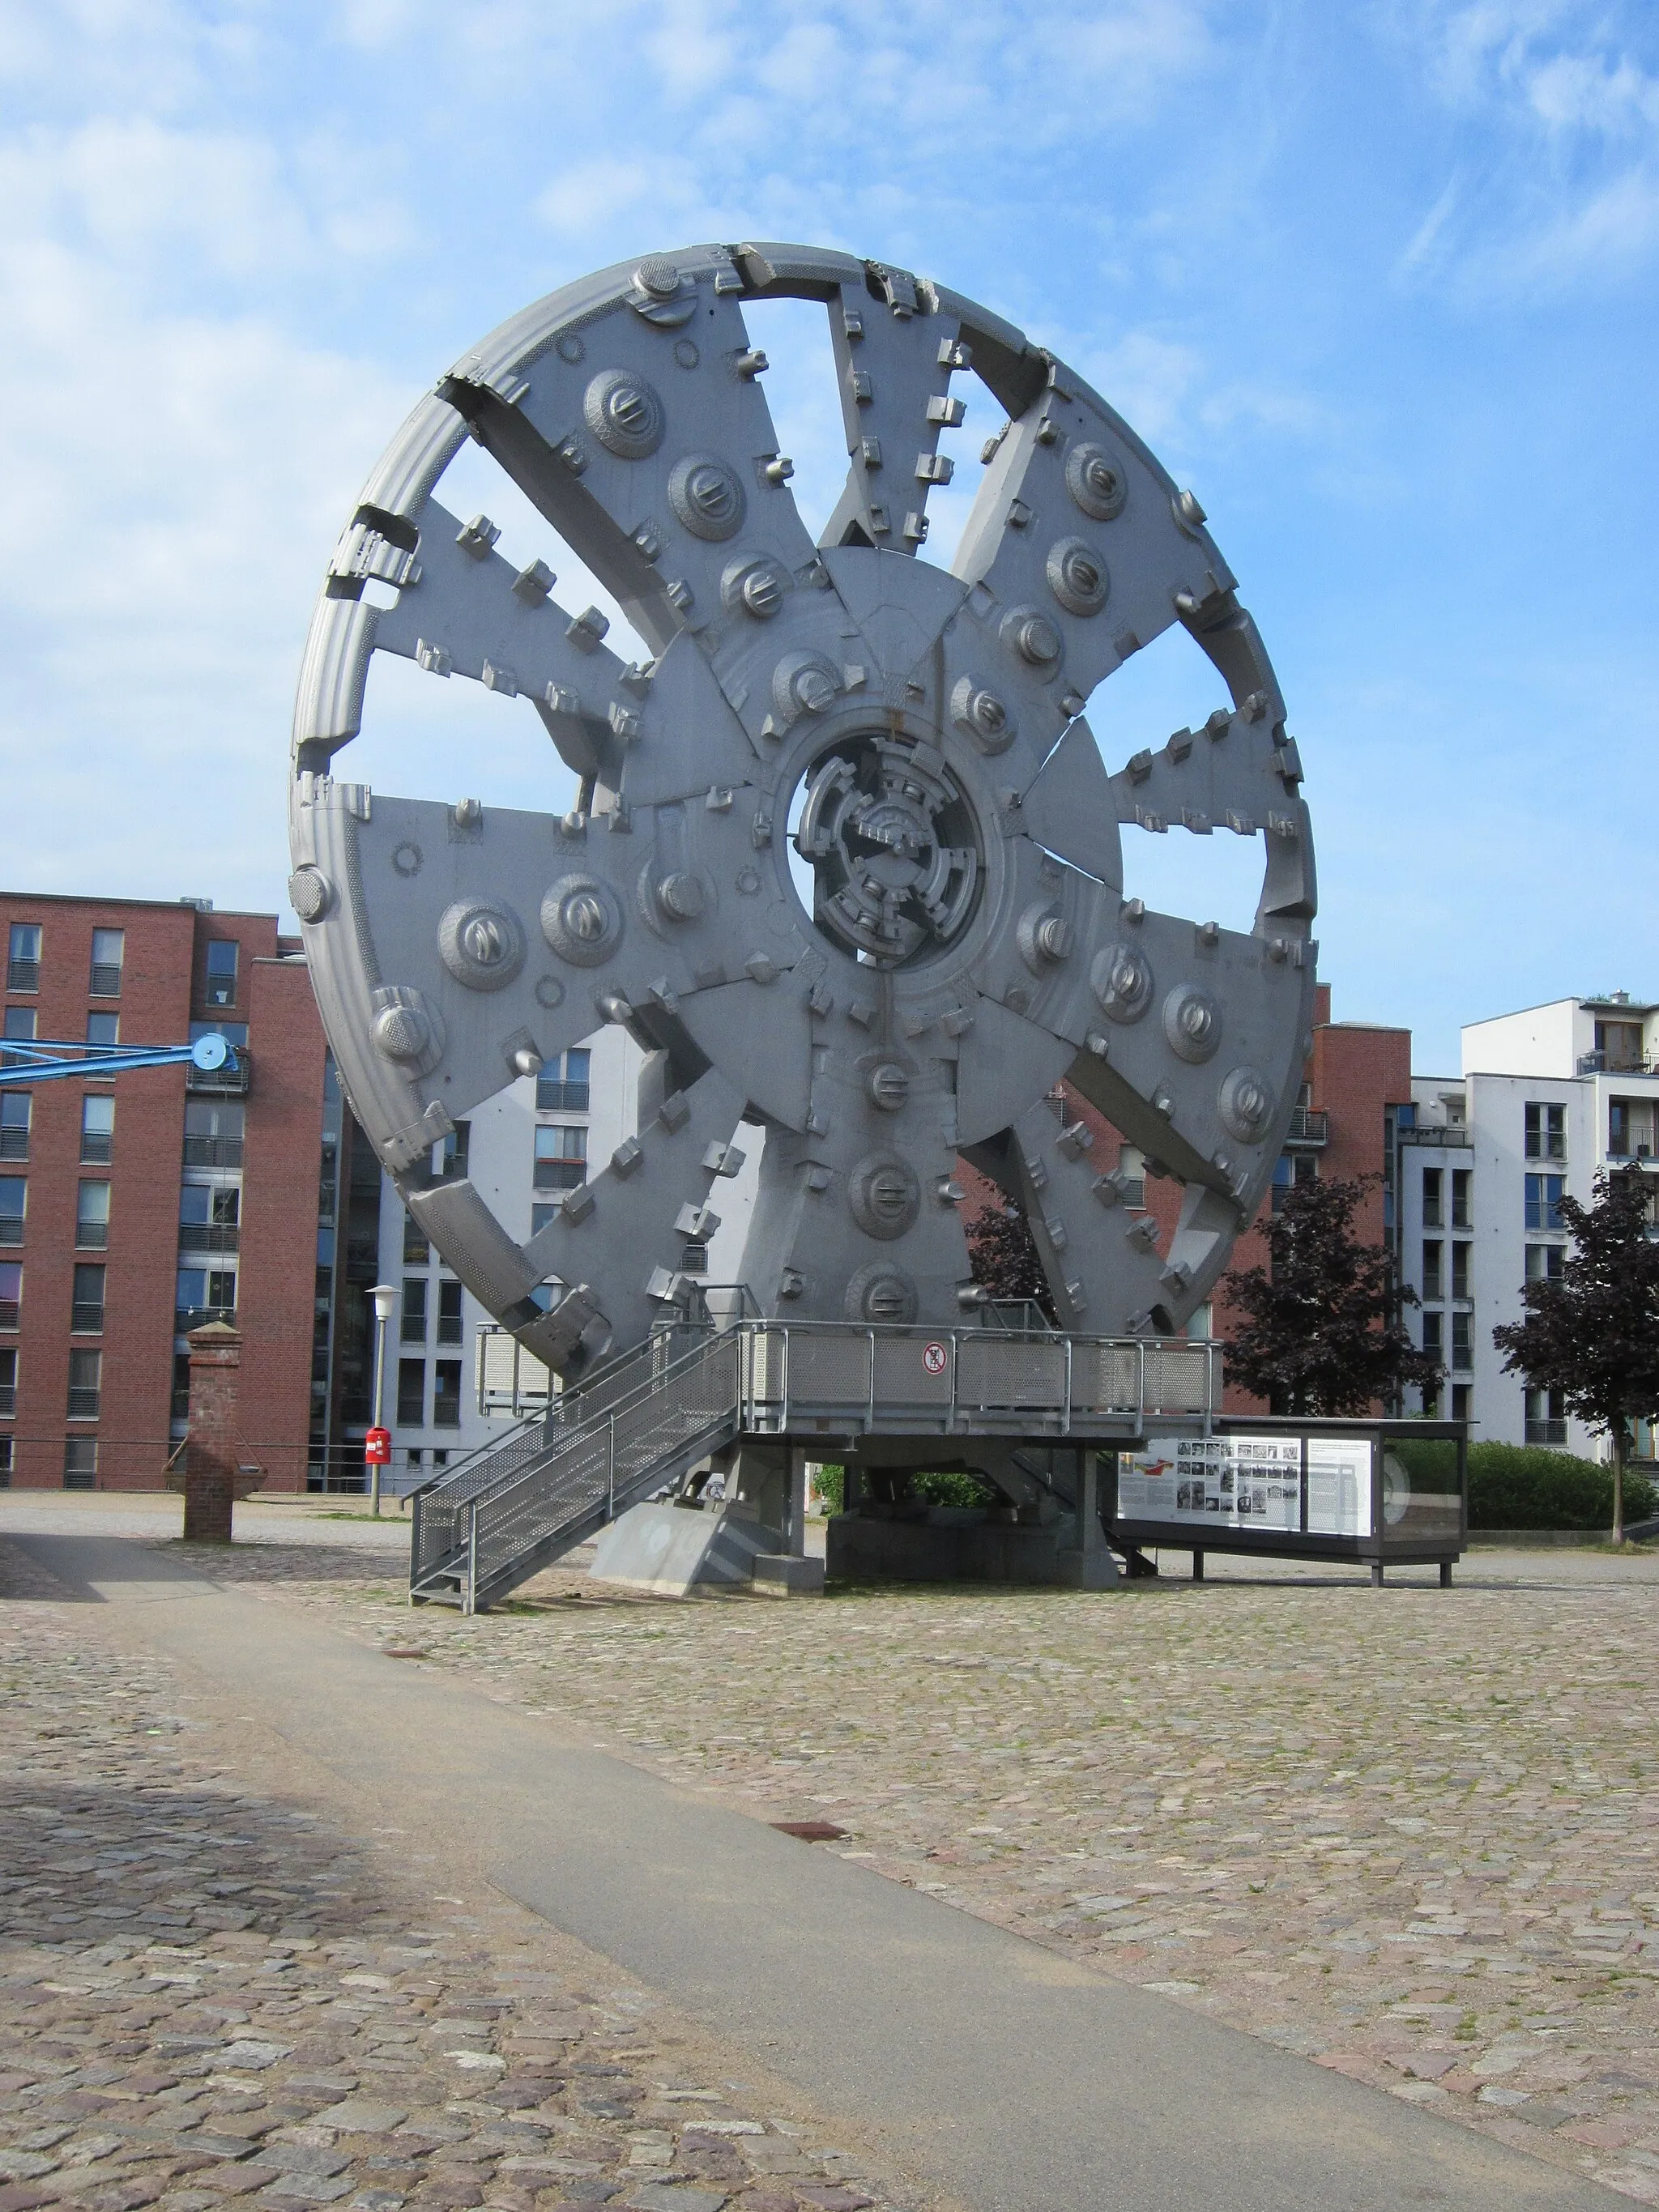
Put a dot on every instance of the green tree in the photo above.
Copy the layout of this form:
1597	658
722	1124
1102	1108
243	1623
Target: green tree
1593	1332
1323	1333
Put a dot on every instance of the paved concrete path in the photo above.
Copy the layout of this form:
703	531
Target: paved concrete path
1024	2083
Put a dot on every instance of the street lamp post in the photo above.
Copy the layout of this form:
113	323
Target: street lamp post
384	1296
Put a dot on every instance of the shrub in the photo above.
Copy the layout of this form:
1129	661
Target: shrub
1524	1486
830	1483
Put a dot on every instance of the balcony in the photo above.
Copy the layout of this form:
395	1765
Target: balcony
106	979
22	975
1612	1063
561	1175
87	1319
1437	1133
226	1082
97	1148
1552	1433
208	1235
213	1151
14	1144
1310	1126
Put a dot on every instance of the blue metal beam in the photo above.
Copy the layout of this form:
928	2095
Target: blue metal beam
209	1052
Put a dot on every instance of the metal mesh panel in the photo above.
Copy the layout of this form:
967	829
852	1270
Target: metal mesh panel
829	1370
996	1371
1178	1378
901	1376
1106	1378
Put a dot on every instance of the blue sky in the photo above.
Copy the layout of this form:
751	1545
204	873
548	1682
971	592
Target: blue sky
1376	277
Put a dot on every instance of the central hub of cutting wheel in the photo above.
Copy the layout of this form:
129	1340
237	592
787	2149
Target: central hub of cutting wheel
894	846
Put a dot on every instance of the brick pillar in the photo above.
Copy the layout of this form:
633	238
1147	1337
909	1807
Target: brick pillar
210	1459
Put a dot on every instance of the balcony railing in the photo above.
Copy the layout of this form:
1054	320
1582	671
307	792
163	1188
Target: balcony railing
22	975
106	979
10	1315
89	1236
553	1097
213	1151
83	1404
97	1148
1612	1063
11	1228
14	1144
1547	1432
8	1400
561	1175
226	1082
87	1319
1309	1125
208	1235
187	1318
1437	1133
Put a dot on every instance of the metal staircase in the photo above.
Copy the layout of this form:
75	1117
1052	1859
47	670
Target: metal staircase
514	1507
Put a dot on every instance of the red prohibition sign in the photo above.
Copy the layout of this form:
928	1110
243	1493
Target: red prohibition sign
934	1356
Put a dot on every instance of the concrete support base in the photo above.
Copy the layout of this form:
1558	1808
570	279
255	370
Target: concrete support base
782	1575
944	1545
670	1549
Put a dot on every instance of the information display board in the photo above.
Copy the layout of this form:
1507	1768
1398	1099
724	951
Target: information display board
1250	1482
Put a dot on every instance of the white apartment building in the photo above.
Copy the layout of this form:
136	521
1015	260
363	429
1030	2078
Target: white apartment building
1547	1098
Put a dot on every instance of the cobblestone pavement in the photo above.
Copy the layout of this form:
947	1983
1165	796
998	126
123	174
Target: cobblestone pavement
1411	1834
211	1995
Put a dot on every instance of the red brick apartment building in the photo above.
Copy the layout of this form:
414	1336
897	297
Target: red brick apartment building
135	1208
1343	1126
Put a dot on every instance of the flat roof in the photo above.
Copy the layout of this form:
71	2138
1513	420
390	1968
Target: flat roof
161	906
1603	1006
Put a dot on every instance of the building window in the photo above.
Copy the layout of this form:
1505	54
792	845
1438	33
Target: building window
16	1111
1433	1286
1462	1179
540	1216
214	1132
233	1033
561	1158
1630	1128
109	949
97	1129
85	1385
81	1463
8	1384
1463	1347
412	1329
1132	1175
181	1386
1462	1255
446	1394
87	1307
1546	1418
1289	1169
203	1294
1545	1262
11	1293
562	1085
14	1203
1431	1402
416	1248
5	1462
221	955
449	1154
449	1313
412	1394
210	1216
1544	1196
23	958
1434	1334
1547	1131
1433	1187
103	1032
1462	1396
19	1030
